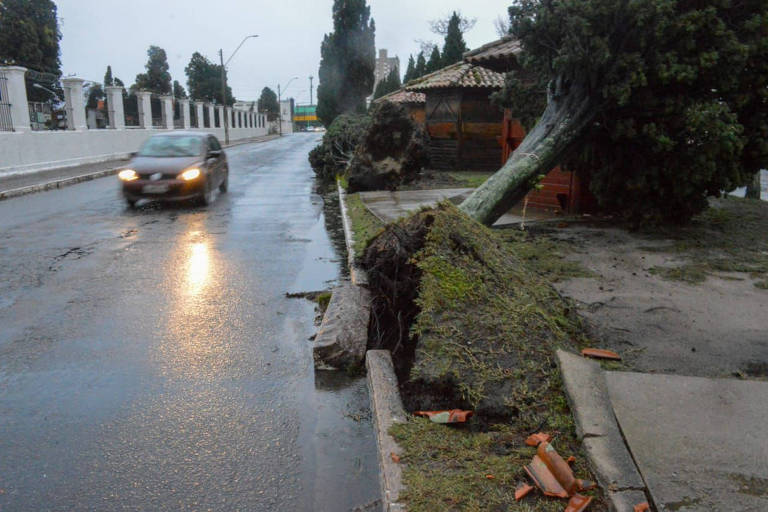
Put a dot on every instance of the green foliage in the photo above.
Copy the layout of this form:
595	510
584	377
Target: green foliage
410	71
29	35
330	158
95	93
157	78
454	46
421	65
348	60
178	90
268	103
680	90
204	80
389	84
434	63
108	80
365	226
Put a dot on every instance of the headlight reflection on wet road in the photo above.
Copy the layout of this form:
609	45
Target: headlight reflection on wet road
198	268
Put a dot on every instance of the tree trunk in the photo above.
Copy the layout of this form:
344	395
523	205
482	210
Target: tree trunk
563	121
753	187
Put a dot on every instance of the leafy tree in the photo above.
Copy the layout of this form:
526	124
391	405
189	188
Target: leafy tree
434	63
348	60
454	46
119	82
421	65
108	80
389	84
95	93
204	80
157	78
410	71
642	96
29	37
178	90
268	103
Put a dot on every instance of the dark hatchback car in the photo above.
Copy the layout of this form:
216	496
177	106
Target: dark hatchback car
176	166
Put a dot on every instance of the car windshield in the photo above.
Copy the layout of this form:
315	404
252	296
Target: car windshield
167	146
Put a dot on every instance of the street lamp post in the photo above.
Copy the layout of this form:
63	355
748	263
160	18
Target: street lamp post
280	104
224	84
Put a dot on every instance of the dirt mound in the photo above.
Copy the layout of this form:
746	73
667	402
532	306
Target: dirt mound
469	324
391	153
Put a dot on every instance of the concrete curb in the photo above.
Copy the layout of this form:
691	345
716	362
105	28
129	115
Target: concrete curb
387	409
358	276
384	394
598	430
73	180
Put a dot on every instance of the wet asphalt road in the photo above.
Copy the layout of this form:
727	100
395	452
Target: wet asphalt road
149	359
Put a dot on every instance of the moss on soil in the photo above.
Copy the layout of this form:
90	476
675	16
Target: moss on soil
487	327
365	225
731	236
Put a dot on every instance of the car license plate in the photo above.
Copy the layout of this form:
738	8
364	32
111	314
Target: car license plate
155	189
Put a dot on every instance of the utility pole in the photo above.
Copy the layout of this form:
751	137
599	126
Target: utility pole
311	101
224	97
279	112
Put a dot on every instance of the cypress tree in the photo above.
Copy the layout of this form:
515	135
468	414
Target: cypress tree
435	62
410	71
421	66
348	60
108	80
387	85
454	47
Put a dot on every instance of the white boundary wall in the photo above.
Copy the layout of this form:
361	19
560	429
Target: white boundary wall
24	152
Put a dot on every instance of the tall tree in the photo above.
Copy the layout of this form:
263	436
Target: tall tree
29	37
157	78
178	90
454	46
348	60
108	79
387	85
644	96
410	71
434	63
204	80
421	65
268	103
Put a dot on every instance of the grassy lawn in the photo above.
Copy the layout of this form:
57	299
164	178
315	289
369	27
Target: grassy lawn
488	324
731	236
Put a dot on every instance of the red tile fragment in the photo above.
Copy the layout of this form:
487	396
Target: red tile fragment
578	503
522	491
452	416
539	437
599	353
642	507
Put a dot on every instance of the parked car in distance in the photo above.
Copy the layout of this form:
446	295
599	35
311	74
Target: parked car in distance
176	166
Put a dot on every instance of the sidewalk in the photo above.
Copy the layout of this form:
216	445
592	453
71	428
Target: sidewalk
15	185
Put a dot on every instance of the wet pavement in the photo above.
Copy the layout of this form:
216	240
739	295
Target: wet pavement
150	359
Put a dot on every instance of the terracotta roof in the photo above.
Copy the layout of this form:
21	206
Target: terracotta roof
403	96
500	55
460	75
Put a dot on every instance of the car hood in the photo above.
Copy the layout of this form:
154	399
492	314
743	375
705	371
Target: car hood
169	165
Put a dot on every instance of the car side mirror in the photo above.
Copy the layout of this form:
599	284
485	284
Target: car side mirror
214	153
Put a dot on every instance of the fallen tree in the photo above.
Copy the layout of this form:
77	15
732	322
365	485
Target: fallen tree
639	90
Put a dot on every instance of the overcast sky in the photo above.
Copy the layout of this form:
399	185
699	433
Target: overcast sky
118	32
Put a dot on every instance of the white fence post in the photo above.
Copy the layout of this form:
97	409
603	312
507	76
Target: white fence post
185	116
144	100
211	116
115	105
17	97
167	111
73	96
199	112
221	115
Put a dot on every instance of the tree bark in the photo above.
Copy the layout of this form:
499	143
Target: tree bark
566	117
753	187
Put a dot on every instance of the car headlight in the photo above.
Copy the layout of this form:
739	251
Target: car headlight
128	175
190	174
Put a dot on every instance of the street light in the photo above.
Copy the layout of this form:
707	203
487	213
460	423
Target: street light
38	86
280	103
224	84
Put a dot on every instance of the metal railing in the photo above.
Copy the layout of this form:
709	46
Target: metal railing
6	121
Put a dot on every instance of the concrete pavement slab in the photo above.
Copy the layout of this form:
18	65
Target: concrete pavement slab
700	443
389	206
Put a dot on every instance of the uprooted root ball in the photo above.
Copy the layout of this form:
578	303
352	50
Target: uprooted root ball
470	326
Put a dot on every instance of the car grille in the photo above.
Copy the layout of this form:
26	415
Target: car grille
146	176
